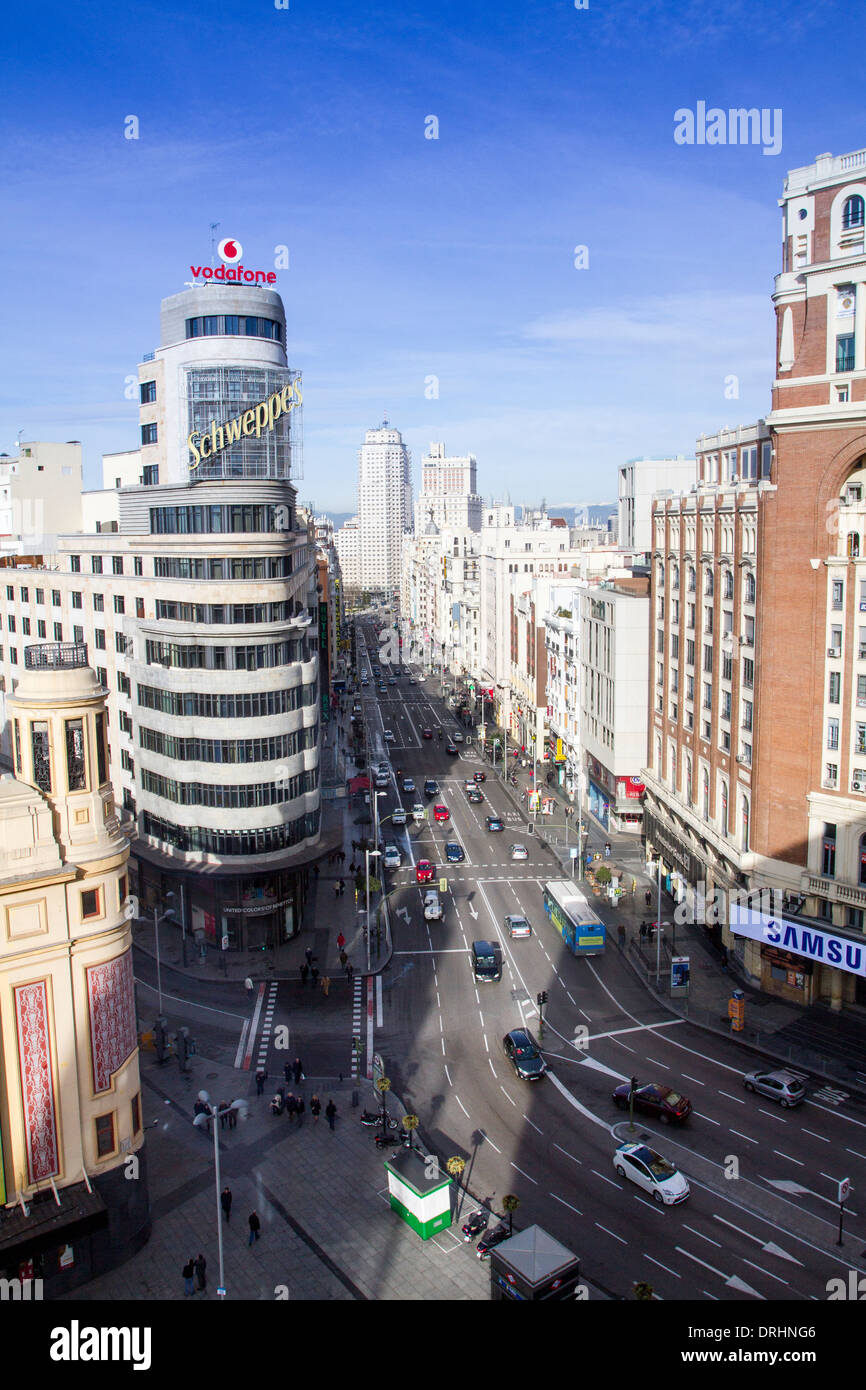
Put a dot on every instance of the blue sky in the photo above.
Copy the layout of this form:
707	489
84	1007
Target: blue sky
410	257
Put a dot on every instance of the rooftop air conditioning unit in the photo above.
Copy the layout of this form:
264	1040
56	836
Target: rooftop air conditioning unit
857	786
834	651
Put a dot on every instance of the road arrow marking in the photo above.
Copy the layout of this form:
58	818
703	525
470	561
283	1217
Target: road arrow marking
473	913
767	1246
733	1281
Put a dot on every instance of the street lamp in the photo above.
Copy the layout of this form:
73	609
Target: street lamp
368	855
157	918
242	1110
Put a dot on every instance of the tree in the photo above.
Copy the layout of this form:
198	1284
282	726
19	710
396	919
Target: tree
410	1124
510	1203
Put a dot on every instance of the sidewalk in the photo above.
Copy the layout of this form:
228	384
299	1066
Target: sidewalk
327	1231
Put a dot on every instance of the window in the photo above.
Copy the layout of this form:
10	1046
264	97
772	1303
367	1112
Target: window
135	1106
828	851
708	695
75	564
99	638
852	212
40	628
10	622
148	434
150	474
861	691
837	593
58	632
75	767
708	620
89	904
845	352
749	587
117	564
41	754
727	666
749	462
25	595
25	626
138	564
40	596
77	633
98	603
745	826
748	709
708	658
96	564
708	583
690	651
104	1135
726	704
748	673
705	793
56	600
76	598
147	392
724	814
833	733
119	605
728	584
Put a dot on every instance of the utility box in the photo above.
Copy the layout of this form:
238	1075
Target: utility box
531	1266
420	1191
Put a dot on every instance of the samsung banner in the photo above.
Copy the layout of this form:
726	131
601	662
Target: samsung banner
811	942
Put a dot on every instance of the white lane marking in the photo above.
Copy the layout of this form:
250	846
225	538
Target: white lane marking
492	1068
738	1099
761	1270
854	1152
239	1055
623	1045
188	1003
747	1234
747	1138
639	1028
656	1063
702	1236
702	1116
611	1233
693	1078
568	1155
604	1179
823	1138
448	1074
487	1046
525	1175
789	1158
488	1140
661	1266
534	1125
565	1203
714	1297
772	1114
507	1096
463	1107
379	1014
555	1081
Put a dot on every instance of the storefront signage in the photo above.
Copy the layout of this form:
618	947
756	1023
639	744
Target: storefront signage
262	416
807	941
234	275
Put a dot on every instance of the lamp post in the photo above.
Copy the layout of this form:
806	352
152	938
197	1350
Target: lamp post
659	920
368	855
157	918
242	1109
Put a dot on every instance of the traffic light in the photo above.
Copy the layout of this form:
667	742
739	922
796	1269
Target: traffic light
542	996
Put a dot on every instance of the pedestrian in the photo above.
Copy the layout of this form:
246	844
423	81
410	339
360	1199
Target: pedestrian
305	970
620	931
291	1105
643	931
233	1118
314	975
226	1203
298	1071
342	887
299	1102
201	1271
648	898
261	1078
607	849
326	984
276	1105
255	1227
633	886
287	1072
350	970
224	1113
315	871
343	959
336	890
188	1272
331	1112
248	984
341	941
308	953
315	1107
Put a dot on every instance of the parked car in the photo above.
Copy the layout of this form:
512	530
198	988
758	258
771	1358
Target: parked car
654	1174
495	823
398	816
489	1240
662	1102
782	1086
517	926
519	852
454	853
431	787
521	1049
423	871
457	737
441	812
388	736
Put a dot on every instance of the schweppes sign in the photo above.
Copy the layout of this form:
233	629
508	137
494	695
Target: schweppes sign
204	444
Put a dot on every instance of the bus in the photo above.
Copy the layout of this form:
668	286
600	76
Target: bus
581	929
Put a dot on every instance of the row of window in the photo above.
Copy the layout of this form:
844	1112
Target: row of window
233	325
106	1133
228	567
237	518
722	807
74	741
227	612
749	587
247	658
95	568
238	750
197	839
229	796
747	470
829	842
250	705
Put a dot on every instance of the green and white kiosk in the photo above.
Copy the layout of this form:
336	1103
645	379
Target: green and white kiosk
419	1191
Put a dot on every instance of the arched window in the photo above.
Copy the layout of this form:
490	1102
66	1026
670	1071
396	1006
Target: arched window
708	582
658	756
724	808
691	580
746	826
853	212
705	793
729	584
661	575
750	587
675	576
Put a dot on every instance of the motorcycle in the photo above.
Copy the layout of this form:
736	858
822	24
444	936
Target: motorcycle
474	1224
384	1141
373	1117
489	1240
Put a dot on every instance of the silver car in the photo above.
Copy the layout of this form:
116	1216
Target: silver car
782	1086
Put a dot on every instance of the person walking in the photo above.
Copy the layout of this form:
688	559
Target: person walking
315	1107
341	940
226	1202
331	1112
201	1271
620	931
326	984
648	898
350	971
299	1104
188	1272
341	886
223	1108
314	975
287	1072
336	890
248	985
261	1078
607	849
633	886
255	1227
643	932
291	1105
233	1118
298	1070
308	953
344	959
305	970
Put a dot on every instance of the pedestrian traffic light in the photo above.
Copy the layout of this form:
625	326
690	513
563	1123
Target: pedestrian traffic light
542	997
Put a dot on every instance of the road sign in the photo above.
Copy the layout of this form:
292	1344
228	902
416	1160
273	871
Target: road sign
844	1189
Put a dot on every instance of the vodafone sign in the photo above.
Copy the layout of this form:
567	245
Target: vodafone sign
231	271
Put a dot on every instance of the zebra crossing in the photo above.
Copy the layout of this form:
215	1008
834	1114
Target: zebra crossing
267	1024
357	1000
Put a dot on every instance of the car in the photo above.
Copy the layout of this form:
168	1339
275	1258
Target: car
469	784
357	707
441	812
423	871
388	735
392	680
519	852
431	787
662	1102
480	776
381	781
426	733
521	1049
457	737
517	925
487	961
392	858
432	907
452	748
398	816
475	796
421	680
783	1086
495	823
454	852
364	680
411	680
418	813
408	784
490	1240
654	1174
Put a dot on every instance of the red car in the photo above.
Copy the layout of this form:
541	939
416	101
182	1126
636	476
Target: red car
423	871
426	733
441	813
662	1102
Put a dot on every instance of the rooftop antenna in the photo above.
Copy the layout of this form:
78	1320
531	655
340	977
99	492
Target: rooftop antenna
214	228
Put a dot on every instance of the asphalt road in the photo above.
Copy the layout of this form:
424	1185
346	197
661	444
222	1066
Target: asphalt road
761	1219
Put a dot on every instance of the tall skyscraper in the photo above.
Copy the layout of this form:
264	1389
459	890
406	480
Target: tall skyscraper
384	506
448	496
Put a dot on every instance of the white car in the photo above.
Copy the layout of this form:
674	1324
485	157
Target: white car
419	814
457	737
398	816
392	858
519	852
388	736
661	1179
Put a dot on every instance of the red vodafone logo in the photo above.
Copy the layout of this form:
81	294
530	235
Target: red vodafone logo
230	250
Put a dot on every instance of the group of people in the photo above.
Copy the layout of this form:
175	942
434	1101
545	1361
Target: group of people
195	1269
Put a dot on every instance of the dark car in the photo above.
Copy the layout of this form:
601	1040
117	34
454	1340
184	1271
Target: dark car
495	823
426	733
487	960
451	748
454	853
431	787
521	1049
480	776
475	795
660	1101
489	1240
